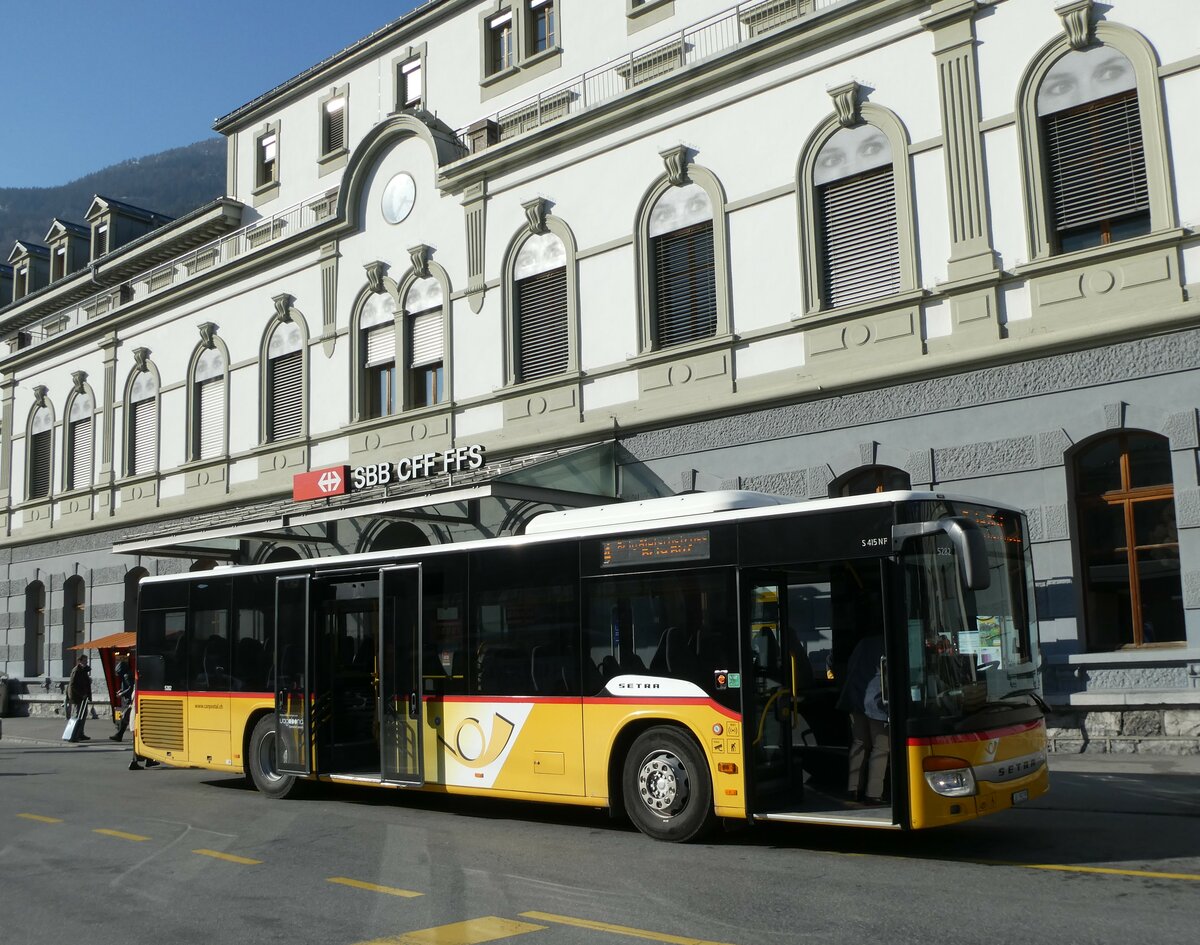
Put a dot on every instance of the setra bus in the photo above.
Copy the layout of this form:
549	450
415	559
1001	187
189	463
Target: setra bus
679	659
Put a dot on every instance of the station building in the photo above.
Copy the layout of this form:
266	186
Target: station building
505	256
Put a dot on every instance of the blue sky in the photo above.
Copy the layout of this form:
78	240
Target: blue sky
88	83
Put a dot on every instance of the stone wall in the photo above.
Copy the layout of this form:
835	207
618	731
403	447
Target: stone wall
1141	731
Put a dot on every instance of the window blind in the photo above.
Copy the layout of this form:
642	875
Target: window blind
685	288
860	238
142	433
81	454
543	345
381	345
211	420
39	464
287	396
1096	162
426	338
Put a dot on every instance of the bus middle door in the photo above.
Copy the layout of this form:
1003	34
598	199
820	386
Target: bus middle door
293	665
400	737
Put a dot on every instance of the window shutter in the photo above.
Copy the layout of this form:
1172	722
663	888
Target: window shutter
685	288
143	433
335	125
39	464
1097	166
81	454
211	438
411	77
426	338
381	345
287	396
860	236
542	333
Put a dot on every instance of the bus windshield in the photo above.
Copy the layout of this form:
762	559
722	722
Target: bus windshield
970	651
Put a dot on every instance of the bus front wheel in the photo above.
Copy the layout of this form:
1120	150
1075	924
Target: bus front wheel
667	789
261	760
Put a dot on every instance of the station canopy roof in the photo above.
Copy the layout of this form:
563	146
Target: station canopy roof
564	478
124	640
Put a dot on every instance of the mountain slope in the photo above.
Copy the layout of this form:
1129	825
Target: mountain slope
171	182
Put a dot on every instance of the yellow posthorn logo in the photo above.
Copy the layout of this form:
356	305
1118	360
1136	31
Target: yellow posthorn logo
472	748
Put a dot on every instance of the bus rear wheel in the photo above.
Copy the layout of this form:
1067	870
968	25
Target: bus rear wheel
261	760
667	789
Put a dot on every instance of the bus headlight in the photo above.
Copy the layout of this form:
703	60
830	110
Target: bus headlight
949	777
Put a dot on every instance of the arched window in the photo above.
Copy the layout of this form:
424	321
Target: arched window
424	322
397	535
1093	142
35	628
80	426
1128	543
1087	107
141	454
208	404
867	480
377	351
133	578
856	216
541	314
285	382
41	452
73	628
682	267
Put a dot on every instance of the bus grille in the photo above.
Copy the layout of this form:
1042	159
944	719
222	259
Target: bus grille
160	723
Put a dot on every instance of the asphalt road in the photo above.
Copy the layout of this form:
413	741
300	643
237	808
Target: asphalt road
94	853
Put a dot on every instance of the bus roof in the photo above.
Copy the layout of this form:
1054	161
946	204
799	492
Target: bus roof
681	511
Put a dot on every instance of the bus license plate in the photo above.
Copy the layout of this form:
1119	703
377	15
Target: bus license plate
1020	797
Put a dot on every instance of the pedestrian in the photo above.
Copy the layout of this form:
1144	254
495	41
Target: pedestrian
862	698
128	713
125	693
79	695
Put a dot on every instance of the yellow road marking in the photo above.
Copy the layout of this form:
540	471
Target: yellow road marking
1194	877
121	834
228	856
618	929
472	932
40	819
371	887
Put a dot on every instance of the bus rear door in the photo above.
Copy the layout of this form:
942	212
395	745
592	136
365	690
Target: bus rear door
400	737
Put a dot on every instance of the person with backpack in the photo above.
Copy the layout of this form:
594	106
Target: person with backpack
79	695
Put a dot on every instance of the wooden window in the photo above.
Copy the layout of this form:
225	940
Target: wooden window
143	425
79	442
542	27
410	84
500	43
268	146
426	374
682	267
209	404
41	447
1128	542
285	396
542	333
334	132
377	327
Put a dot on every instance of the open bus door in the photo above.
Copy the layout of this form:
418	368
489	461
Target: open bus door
400	738
293	692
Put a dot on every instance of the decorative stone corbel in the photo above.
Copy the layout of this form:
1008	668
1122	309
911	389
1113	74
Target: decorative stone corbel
283	306
847	103
676	160
375	273
140	357
1077	23
475	210
78	379
208	331
39	395
419	255
535	214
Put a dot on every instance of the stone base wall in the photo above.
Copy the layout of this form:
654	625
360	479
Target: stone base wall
1125	731
41	706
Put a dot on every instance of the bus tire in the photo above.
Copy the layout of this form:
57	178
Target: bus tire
260	760
666	786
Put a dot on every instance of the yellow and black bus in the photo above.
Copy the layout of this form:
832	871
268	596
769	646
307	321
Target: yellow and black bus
680	659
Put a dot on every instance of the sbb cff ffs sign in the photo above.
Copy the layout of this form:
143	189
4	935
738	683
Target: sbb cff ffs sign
321	483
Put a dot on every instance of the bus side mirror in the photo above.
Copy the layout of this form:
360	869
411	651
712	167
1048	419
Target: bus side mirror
971	549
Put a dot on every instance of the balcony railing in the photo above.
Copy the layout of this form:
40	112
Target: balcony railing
715	36
191	265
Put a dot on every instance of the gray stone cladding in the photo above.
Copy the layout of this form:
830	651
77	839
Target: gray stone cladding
1143	731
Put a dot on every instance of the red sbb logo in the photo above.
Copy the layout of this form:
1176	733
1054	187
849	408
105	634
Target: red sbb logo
320	483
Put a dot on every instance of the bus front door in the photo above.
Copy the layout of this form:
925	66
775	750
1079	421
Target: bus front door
400	737
293	689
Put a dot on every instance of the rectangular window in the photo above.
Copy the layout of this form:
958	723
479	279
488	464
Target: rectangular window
541	26
334	133
860	238
287	396
500	43
58	263
410	84
100	237
210	419
426	349
142	429
80	471
543	339
685	289
379	378
267	147
1097	168
208	643
39	464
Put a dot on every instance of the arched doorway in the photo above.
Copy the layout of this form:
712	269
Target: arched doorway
72	620
1128	545
869	479
396	535
132	579
35	628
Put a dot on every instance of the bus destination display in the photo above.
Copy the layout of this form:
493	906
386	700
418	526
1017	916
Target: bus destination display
649	549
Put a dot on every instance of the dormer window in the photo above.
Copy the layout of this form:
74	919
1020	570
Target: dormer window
335	125
410	84
21	283
99	240
58	263
266	162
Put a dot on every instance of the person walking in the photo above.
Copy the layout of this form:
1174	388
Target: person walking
79	695
862	698
125	692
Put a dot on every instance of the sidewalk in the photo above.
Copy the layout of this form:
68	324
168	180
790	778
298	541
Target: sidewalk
39	731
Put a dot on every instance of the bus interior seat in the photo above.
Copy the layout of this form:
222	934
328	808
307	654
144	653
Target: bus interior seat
249	663
609	667
547	671
674	656
214	662
502	671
